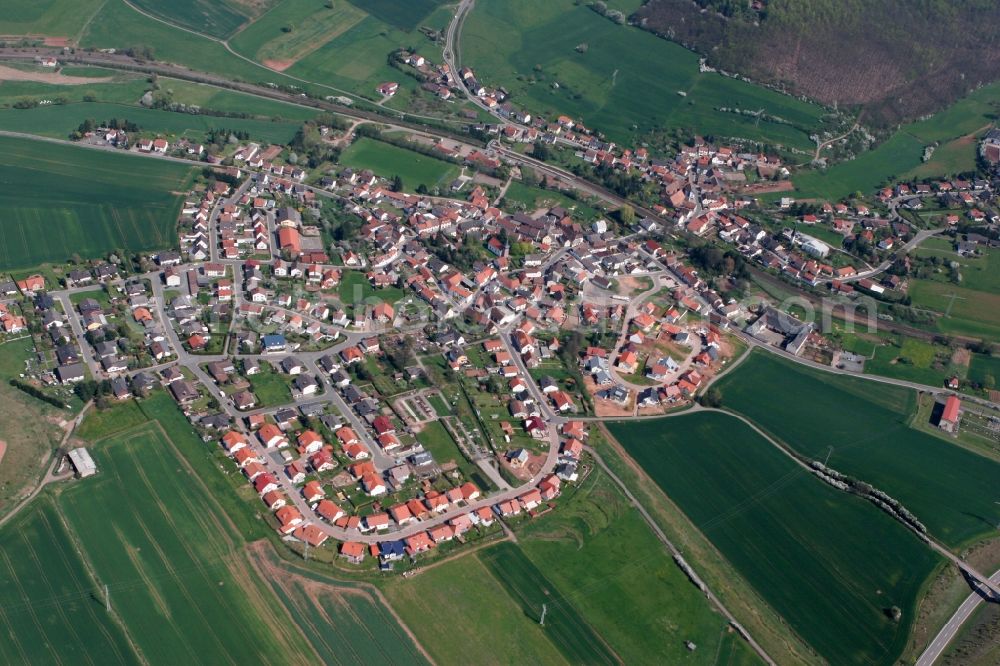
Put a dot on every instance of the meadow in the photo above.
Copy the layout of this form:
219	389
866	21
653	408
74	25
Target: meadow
59	120
864	174
900	156
63	200
51	609
950	489
388	161
829	563
28	426
463	614
561	57
985	368
532	197
312	24
913	360
355	288
441	445
964	311
600	554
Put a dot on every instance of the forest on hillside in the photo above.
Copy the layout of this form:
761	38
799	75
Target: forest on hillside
897	59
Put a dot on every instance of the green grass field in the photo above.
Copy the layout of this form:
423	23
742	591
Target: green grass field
982	368
439	405
388	161
122	89
964	311
163	528
829	563
218	18
535	197
355	288
900	155
463	614
436	439
51	610
60	200
913	360
528	47
530	588
171	561
951	490
864	174
357	59
271	387
603	558
346	622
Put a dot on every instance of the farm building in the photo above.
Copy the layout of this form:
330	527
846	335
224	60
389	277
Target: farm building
82	462
949	417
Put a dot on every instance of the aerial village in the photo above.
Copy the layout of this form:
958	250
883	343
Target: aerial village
439	372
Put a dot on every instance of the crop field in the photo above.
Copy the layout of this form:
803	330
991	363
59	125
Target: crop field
218	18
58	121
403	14
829	563
561	57
462	614
950	489
60	200
388	161
55	18
357	59
51	611
602	556
117	25
529	588
170	556
311	24
346	622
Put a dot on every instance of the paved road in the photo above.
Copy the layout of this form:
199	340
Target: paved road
951	627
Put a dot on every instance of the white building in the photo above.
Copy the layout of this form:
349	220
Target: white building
82	462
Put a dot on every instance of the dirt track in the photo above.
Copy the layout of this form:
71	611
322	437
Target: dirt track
12	74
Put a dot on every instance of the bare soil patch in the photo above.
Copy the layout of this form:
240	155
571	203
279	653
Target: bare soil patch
278	65
3	449
961	357
11	74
